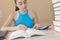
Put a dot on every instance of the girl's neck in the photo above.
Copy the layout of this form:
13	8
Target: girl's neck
23	11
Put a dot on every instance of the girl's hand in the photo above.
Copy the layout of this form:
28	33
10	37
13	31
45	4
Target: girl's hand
21	27
36	26
3	29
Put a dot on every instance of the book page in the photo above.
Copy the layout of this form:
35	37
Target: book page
32	32
19	33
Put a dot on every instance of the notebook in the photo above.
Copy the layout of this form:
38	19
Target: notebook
26	33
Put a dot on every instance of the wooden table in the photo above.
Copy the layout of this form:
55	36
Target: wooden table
50	35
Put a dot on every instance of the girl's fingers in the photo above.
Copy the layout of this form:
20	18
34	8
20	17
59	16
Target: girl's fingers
36	26
22	27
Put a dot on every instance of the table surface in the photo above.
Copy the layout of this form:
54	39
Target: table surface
51	34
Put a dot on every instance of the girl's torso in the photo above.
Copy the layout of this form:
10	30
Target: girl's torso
25	19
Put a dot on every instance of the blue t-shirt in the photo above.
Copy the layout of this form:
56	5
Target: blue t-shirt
24	19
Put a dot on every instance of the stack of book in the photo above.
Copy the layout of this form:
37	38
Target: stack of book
56	22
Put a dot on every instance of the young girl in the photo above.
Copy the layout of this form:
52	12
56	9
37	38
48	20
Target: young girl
23	18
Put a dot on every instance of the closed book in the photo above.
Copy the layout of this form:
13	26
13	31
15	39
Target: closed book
57	17
54	1
56	22
57	4
57	13
57	28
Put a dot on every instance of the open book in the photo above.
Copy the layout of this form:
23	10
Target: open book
26	34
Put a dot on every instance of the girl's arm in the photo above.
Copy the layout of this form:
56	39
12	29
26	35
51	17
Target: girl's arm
14	28
8	21
35	18
6	25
